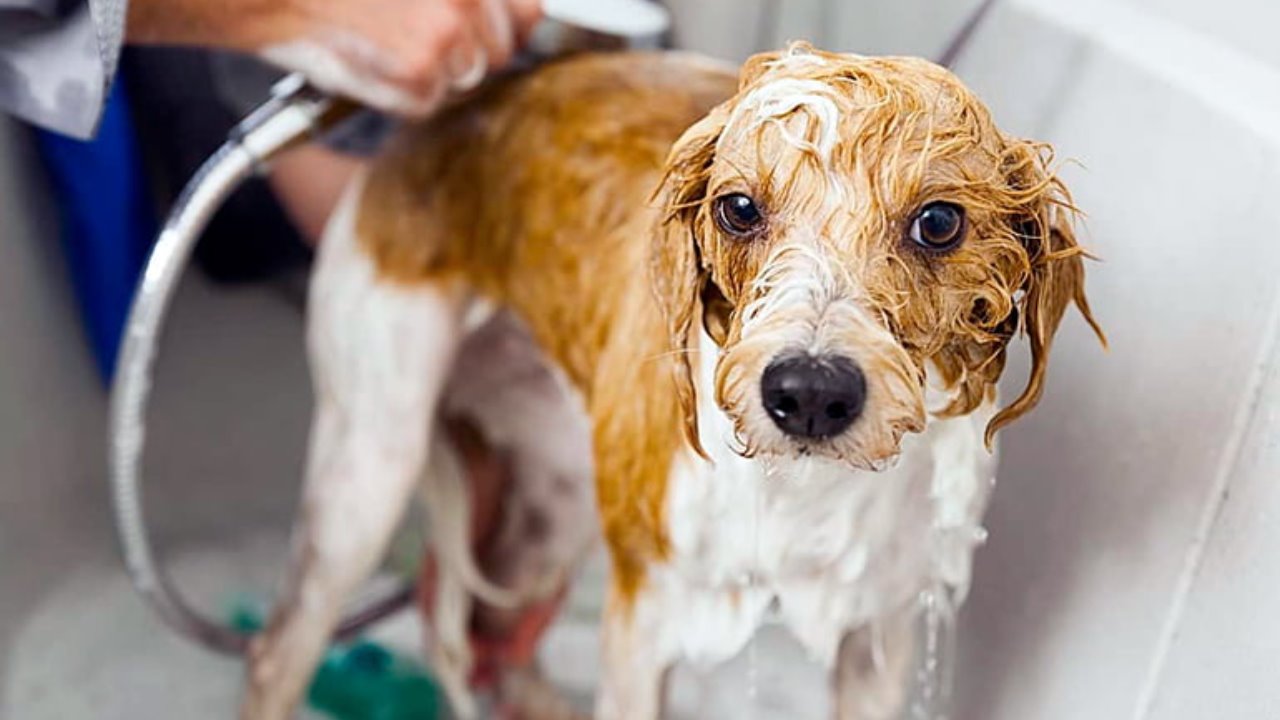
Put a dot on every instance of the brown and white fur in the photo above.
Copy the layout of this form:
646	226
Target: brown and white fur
546	262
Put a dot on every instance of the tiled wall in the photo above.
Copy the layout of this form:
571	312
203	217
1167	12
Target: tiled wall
1134	558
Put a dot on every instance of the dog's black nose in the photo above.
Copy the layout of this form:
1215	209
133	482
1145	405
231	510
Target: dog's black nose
813	397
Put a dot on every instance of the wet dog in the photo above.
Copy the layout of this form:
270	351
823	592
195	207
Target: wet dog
748	324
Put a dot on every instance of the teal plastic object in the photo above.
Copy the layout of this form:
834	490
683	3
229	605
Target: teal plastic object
362	680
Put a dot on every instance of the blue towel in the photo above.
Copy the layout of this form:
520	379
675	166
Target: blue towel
108	221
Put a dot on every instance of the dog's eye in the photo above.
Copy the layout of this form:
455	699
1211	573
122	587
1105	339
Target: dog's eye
737	215
938	226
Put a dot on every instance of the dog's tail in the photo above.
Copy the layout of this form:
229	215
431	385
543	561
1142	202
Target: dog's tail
447	497
459	582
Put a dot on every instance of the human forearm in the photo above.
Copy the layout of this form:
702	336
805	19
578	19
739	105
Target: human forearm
396	55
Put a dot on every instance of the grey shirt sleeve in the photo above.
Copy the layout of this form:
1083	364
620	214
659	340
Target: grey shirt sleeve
57	60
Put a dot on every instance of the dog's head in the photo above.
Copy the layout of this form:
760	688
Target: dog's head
841	226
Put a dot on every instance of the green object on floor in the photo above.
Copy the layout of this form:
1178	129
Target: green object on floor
362	680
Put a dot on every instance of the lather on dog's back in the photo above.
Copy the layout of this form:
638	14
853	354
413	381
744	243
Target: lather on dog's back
748	324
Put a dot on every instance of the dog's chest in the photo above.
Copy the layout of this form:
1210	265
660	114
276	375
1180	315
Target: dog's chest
820	548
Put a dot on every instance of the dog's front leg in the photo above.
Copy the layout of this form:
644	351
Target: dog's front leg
636	657
872	668
380	354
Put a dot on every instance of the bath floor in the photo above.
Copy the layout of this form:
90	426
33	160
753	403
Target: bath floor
225	449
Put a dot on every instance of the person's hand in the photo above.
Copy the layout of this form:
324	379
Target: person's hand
399	56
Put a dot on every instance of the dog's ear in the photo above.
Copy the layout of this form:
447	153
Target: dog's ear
1054	276
679	277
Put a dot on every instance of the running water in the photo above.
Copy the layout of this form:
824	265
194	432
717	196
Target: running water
932	697
753	648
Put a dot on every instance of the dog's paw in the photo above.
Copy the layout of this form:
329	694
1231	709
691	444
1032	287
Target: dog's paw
525	694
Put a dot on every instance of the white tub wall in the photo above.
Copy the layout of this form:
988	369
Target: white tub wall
1244	26
1106	490
733	29
1114	585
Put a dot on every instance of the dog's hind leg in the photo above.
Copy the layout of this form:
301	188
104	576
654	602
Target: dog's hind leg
380	355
